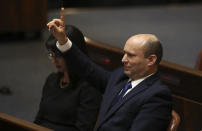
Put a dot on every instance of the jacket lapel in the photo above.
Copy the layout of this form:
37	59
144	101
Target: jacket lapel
112	95
131	94
108	99
139	88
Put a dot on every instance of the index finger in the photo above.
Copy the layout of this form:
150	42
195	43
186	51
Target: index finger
62	17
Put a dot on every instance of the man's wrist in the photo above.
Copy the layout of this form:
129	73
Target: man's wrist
64	47
63	41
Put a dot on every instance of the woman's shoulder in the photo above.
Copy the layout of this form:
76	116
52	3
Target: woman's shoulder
51	80
53	75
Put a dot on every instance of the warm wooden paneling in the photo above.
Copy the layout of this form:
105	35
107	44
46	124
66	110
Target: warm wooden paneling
22	15
190	112
10	123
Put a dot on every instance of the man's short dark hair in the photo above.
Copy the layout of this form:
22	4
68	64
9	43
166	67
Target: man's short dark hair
153	46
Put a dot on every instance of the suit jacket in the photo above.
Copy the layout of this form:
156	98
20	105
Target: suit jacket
147	107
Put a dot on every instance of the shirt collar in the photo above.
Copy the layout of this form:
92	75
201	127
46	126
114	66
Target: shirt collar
136	82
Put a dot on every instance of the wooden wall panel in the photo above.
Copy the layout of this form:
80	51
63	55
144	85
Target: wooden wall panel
23	15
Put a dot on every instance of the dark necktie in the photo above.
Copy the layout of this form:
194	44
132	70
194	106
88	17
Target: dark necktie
124	90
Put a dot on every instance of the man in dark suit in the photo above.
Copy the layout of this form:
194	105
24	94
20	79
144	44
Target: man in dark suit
145	103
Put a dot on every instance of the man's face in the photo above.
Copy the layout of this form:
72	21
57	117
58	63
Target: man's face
135	64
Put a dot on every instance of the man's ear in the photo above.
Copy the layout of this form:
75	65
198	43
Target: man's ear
152	60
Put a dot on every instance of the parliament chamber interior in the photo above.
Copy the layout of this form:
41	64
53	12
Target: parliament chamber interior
106	24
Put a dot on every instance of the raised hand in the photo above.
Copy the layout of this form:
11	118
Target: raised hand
57	28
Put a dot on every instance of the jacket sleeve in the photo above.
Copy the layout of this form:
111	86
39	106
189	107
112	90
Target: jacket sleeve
88	109
85	68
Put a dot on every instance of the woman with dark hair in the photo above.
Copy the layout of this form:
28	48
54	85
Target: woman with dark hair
68	103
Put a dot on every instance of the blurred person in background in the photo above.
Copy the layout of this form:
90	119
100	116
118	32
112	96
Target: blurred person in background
68	103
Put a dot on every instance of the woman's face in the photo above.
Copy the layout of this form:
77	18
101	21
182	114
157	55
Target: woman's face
58	61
